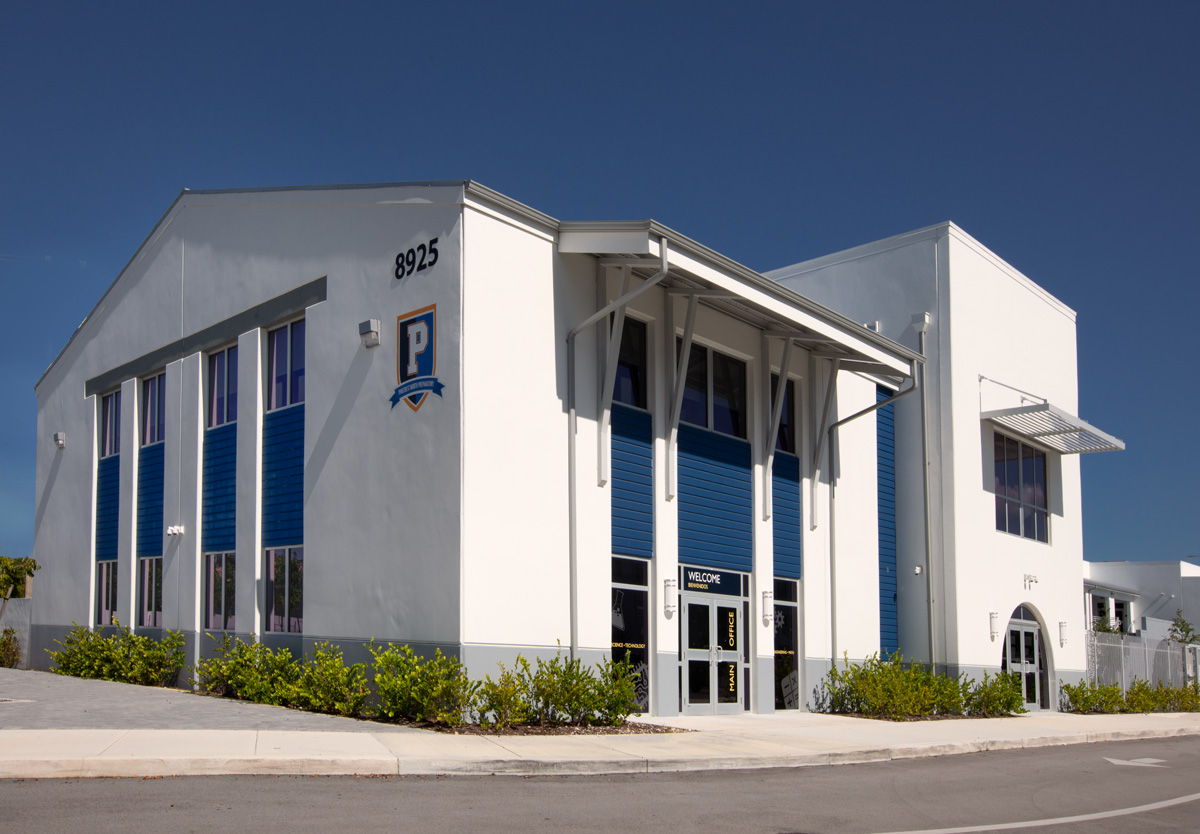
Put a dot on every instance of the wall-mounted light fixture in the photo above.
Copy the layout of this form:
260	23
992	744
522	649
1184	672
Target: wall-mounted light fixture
994	621
175	530
670	596
1062	633
768	607
60	439
368	331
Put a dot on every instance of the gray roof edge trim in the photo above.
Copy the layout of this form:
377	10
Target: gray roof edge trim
1101	585
786	294
484	194
349	186
757	279
154	231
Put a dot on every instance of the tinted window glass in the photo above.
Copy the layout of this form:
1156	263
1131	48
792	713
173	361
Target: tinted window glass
695	391
630	385
729	395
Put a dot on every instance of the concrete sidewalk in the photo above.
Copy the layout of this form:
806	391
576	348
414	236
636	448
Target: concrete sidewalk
51	726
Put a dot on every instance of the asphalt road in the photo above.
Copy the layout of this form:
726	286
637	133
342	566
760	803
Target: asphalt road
1015	790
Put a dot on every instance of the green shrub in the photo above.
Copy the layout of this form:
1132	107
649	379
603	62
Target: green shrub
616	691
995	695
560	691
1091	697
1142	697
503	702
410	687
10	649
891	689
122	656
328	685
251	672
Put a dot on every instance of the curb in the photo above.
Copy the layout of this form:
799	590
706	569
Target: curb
394	765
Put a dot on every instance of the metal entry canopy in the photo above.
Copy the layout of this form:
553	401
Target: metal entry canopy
1051	426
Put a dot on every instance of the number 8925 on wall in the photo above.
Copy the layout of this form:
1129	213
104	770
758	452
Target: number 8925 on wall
418	259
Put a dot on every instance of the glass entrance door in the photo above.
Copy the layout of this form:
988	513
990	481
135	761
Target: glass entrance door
711	642
1022	654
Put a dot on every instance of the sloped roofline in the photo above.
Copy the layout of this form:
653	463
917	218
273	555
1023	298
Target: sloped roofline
487	195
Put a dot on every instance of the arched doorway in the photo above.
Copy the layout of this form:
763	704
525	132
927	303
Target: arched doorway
1025	654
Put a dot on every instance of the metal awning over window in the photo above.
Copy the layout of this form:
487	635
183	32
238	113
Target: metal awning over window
1114	591
1054	428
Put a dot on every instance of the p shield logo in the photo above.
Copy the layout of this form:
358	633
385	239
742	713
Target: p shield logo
416	357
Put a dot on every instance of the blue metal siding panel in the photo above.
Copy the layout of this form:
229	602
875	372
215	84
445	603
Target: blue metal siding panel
885	433
632	482
218	515
785	515
108	499
283	477
150	501
715	500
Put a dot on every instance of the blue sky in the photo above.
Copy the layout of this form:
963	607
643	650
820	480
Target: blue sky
1063	136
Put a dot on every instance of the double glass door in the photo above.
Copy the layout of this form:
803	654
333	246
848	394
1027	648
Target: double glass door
712	654
1023	656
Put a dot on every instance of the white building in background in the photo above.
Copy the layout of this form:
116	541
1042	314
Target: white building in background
988	569
427	414
1142	597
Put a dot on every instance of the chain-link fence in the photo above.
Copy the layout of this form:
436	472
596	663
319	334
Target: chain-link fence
1121	658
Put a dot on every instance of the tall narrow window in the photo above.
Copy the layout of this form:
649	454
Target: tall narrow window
631	622
154	409
630	385
1022	506
285	365
220	591
222	387
110	424
787	643
106	592
150	592
285	589
695	386
786	441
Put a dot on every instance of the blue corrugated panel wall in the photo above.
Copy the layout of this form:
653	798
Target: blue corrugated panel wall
785	514
108	497
218	514
632	482
715	500
283	477
885	431
150	501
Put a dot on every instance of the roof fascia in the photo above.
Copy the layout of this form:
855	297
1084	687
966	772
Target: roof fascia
161	226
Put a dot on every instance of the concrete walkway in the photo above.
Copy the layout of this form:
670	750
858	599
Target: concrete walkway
52	726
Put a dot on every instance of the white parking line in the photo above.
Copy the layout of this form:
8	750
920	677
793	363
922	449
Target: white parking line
1101	815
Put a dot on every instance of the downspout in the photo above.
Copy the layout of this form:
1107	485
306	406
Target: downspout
572	464
833	512
922	329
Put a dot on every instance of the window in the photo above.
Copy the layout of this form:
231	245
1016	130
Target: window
1121	615
285	365
630	385
106	592
285	589
110	424
787	642
222	386
786	441
219	575
719	381
1021	502
631	622
154	409
150	591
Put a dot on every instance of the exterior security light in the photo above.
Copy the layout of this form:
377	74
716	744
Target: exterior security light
670	596
1062	633
768	607
60	439
175	530
368	331
994	618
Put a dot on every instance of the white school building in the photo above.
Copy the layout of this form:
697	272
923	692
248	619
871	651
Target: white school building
425	413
